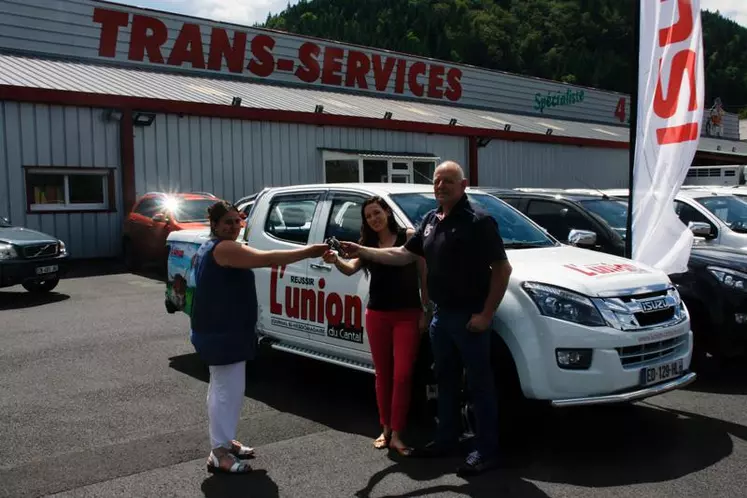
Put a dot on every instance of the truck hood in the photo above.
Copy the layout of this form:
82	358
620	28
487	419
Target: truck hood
587	272
23	236
723	256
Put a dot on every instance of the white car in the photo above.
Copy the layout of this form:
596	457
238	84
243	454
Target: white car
723	211
576	327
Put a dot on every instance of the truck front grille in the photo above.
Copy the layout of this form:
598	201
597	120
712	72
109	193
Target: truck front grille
635	356
40	251
639	311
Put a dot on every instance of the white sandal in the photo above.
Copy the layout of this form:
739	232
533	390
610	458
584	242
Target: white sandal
213	465
241	451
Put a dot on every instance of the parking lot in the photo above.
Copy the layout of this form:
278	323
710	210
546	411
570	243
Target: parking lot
101	395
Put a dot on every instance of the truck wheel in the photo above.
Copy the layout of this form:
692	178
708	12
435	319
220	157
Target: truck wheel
513	407
41	286
424	400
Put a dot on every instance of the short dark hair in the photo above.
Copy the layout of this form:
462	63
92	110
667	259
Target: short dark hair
218	211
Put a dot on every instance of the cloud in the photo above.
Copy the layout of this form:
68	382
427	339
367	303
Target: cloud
245	12
736	10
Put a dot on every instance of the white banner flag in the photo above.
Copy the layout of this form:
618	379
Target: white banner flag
670	112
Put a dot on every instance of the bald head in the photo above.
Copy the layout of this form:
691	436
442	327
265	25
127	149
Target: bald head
451	168
449	184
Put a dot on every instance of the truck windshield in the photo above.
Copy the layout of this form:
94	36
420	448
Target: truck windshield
515	230
614	213
729	209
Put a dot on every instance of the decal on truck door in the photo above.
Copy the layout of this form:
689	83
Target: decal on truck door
301	303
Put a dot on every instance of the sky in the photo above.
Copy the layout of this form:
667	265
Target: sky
248	12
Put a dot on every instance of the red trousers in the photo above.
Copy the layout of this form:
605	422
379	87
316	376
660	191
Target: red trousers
394	337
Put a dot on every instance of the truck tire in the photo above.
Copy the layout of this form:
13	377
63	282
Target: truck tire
42	286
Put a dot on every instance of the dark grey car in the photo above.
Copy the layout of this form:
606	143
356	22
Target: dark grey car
32	259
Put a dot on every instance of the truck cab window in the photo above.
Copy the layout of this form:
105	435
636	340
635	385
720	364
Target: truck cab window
345	219
688	213
290	218
557	218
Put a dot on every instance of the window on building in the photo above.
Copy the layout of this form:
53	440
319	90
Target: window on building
69	189
370	167
291	217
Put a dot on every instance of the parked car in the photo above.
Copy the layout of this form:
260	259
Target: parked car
724	213
33	259
714	288
575	327
154	216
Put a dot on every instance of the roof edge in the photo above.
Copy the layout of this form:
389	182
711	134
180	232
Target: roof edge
109	101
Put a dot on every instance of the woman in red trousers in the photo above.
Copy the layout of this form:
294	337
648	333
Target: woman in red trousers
395	318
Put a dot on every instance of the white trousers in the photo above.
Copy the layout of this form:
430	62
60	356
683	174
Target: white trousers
224	400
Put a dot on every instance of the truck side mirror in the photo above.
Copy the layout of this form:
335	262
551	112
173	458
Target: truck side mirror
700	229
160	218
582	238
4	219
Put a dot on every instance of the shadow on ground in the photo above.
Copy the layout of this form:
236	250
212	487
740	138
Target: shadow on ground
590	447
15	300
86	268
256	484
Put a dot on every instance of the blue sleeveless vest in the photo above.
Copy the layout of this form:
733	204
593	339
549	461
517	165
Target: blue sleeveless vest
224	310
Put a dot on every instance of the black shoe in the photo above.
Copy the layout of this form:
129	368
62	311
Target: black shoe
433	450
476	464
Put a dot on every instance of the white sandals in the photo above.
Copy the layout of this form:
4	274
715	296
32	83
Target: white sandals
241	451
237	467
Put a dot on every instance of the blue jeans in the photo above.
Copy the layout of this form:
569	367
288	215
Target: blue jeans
449	337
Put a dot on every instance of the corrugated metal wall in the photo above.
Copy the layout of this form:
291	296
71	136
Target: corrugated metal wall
233	158
526	164
43	135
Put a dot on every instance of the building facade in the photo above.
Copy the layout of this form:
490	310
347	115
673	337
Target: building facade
101	103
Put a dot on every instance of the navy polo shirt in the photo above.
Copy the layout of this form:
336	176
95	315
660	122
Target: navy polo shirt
459	250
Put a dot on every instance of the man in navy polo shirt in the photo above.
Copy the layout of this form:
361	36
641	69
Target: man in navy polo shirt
468	273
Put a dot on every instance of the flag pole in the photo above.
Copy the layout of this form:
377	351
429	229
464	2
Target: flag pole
633	123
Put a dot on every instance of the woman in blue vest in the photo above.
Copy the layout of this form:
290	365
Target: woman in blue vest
224	314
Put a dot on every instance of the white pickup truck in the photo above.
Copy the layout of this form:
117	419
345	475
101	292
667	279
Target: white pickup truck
576	327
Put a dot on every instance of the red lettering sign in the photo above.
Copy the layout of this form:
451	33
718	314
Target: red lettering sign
307	303
604	268
333	66
684	62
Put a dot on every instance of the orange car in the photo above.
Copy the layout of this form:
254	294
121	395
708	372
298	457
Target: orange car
154	216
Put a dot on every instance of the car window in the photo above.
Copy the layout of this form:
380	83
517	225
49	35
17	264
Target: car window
515	229
558	218
290	217
514	201
729	209
688	213
187	210
345	219
147	207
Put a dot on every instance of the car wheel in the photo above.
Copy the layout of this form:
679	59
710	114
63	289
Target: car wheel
42	286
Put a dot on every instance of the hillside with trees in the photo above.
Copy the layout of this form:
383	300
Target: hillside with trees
587	42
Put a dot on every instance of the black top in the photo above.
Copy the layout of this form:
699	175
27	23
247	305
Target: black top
459	251
394	287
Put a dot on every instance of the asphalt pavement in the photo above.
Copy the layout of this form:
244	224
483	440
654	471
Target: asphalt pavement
101	395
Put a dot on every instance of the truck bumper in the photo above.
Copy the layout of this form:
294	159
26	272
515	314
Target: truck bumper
625	397
16	272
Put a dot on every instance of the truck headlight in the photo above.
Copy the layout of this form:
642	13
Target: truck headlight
729	278
7	251
563	304
63	249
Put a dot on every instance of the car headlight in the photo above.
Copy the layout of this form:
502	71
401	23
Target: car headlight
63	249
7	251
730	278
563	304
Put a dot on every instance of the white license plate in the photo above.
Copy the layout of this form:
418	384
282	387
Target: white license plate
662	372
45	270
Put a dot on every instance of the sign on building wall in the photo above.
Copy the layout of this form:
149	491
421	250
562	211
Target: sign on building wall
92	30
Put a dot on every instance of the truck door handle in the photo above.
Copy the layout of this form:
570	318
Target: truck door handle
318	266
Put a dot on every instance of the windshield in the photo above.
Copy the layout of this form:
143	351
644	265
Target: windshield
187	210
614	213
729	209
515	230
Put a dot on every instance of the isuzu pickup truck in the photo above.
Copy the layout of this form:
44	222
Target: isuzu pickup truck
576	327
